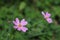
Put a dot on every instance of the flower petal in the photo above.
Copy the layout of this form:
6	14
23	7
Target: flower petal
49	20
43	13
23	22
19	29
17	20
15	27
24	29
15	23
47	14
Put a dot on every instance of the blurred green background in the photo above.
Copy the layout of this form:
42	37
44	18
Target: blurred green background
39	28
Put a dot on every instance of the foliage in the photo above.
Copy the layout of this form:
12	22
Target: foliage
39	28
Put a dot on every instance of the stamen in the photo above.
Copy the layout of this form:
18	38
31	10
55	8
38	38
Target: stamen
19	25
46	17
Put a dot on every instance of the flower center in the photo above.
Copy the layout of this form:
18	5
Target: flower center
46	17
19	25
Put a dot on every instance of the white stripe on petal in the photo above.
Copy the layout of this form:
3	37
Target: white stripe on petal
43	13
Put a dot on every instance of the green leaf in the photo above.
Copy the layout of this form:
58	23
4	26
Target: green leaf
22	5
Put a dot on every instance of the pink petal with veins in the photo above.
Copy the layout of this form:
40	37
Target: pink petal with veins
24	29
47	14
19	29
49	20
15	23
23	22
17	20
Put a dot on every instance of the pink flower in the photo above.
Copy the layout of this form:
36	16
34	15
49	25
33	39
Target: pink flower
47	17
20	25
